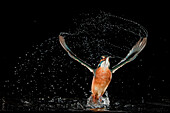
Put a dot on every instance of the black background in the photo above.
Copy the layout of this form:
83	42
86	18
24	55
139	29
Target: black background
25	24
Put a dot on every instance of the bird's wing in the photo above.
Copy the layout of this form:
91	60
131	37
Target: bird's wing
72	55
137	48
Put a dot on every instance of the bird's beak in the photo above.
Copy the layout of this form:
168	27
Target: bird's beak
107	59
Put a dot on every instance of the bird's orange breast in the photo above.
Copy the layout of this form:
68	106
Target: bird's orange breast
103	73
101	81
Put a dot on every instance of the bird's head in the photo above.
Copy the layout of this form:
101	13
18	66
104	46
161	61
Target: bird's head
104	62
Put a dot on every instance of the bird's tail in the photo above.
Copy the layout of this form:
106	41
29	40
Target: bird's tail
95	98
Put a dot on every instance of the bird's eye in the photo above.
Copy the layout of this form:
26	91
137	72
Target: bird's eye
102	57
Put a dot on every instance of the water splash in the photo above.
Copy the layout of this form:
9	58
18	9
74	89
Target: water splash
45	71
103	102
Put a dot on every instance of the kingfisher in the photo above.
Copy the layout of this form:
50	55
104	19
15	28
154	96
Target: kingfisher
102	75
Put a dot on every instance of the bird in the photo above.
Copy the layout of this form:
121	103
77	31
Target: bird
102	75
